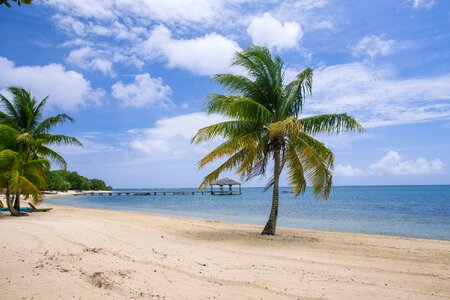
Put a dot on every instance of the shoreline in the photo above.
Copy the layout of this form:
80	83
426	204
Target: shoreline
93	253
260	226
55	195
73	193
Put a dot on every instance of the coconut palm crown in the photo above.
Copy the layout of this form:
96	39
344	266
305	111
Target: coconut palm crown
263	125
24	116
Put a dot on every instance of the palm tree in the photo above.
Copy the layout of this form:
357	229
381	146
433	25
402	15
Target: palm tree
21	177
264	124
22	118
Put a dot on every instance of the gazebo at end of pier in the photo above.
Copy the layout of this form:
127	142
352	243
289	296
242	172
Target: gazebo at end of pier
226	182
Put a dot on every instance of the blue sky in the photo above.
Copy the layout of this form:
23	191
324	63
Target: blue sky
134	74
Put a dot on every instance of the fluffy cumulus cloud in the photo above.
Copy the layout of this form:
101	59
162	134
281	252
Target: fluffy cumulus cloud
169	139
68	90
377	97
204	30
87	58
143	92
373	46
268	31
393	163
347	170
205	55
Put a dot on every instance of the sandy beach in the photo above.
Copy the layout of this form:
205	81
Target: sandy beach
96	254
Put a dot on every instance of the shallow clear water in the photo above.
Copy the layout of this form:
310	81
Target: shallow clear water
413	211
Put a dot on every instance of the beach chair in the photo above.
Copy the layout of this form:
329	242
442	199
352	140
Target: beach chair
32	208
25	209
39	209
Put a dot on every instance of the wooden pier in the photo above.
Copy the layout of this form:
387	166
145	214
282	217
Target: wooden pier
144	193
221	191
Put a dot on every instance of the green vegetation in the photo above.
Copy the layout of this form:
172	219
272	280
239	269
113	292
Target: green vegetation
18	174
61	180
19	2
265	126
24	146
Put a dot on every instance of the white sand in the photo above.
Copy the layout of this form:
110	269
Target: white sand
94	254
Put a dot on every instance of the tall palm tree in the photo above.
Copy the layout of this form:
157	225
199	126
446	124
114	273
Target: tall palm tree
22	117
264	125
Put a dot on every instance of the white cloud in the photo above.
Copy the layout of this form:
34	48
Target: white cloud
172	11
170	138
70	24
100	9
179	11
68	90
206	55
376	97
89	147
393	163
268	31
347	170
422	3
88	58
143	92
214	23
310	14
373	46
102	65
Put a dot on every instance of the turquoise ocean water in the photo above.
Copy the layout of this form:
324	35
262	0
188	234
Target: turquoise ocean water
412	211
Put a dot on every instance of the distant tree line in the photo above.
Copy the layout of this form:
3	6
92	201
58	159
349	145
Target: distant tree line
60	180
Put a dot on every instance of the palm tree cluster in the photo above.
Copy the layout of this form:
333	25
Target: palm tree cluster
25	141
264	125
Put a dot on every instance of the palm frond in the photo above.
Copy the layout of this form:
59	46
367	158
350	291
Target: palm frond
288	126
296	172
53	156
296	91
229	147
237	107
267	74
330	123
12	113
59	139
230	129
28	188
317	162
244	86
51	122
8	157
36	165
229	164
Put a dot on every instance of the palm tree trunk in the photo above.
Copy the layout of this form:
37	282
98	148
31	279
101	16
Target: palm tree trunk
271	224
17	201
11	203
